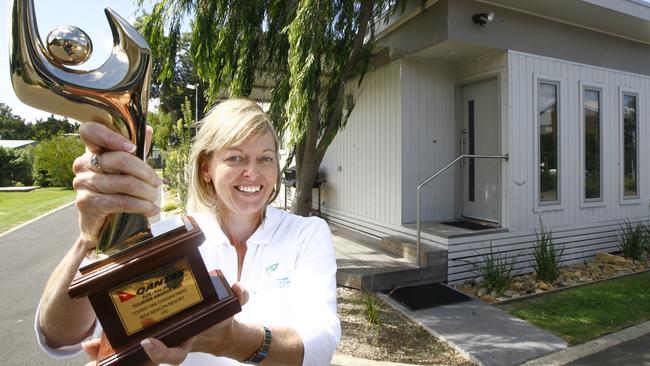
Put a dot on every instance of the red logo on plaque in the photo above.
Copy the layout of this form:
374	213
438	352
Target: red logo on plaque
125	296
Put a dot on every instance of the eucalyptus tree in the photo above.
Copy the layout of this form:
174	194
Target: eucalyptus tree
306	49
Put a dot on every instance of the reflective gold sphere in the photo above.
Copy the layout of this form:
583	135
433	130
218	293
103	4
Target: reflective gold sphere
69	45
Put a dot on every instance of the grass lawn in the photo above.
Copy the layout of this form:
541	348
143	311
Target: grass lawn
588	312
18	207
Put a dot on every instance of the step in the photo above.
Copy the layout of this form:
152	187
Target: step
406	248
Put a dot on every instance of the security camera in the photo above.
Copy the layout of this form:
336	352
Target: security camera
483	18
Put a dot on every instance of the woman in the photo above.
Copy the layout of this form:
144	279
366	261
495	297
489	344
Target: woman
285	262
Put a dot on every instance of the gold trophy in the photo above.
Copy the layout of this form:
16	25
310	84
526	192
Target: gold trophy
144	282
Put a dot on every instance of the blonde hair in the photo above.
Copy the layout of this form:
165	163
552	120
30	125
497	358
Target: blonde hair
226	126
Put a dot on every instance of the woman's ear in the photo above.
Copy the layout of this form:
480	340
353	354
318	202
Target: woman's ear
205	168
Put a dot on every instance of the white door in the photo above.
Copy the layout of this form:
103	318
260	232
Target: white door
481	136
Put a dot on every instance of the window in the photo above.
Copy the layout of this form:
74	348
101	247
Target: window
592	146
630	147
547	109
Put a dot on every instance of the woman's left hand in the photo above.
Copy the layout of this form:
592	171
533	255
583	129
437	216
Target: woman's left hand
159	353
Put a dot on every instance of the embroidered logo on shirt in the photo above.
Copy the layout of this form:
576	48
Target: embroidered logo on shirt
270	269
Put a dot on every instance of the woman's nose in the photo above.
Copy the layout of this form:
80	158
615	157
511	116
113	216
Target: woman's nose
252	169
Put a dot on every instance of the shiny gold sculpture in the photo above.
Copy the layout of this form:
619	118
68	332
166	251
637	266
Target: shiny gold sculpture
115	94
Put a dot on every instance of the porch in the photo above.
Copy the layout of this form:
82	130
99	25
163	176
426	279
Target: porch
383	263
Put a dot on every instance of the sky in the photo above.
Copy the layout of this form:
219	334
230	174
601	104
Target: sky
85	14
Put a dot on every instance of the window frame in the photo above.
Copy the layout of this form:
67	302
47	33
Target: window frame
557	204
584	201
627	200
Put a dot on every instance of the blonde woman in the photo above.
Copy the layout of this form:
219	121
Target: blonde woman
284	262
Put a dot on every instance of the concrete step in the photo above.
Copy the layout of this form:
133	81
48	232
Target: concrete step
407	248
363	279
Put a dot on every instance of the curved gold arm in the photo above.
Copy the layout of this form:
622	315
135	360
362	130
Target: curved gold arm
115	94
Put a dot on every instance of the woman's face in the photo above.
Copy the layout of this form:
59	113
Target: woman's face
244	176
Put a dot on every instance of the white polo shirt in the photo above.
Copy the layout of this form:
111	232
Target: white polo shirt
290	273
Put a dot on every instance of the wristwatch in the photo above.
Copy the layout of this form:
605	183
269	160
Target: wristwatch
263	351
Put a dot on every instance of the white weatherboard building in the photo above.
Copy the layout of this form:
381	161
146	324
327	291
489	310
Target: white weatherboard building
562	88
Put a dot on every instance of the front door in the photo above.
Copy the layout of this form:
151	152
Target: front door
481	136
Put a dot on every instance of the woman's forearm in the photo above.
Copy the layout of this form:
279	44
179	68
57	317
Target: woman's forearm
63	320
242	340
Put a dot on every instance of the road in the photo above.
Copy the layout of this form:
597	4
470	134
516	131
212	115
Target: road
27	256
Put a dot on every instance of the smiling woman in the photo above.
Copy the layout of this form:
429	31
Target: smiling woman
286	262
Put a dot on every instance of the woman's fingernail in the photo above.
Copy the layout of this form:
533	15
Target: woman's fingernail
127	146
146	344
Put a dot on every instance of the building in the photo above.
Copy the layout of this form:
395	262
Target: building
559	89
16	144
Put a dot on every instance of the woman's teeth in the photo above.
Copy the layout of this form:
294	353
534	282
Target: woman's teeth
249	189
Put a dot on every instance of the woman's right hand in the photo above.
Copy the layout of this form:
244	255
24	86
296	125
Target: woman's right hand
123	183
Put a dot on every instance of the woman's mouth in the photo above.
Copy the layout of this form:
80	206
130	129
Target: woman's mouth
249	188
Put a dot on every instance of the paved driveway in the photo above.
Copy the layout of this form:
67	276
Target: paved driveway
27	256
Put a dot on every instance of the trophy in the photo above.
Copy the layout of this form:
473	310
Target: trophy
148	281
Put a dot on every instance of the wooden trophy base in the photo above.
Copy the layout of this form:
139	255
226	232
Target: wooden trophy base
159	288
201	319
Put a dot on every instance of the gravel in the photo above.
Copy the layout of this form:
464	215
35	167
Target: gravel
394	339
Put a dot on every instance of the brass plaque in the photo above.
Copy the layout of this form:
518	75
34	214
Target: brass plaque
156	296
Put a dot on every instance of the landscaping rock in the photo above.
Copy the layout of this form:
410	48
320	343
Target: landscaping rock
603	266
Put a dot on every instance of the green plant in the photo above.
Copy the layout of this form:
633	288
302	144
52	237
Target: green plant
496	270
53	160
169	206
547	256
371	308
632	239
15	167
176	169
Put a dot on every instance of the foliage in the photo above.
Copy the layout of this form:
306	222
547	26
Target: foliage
496	270
169	206
13	127
371	308
53	161
163	130
46	129
303	51
176	168
547	256
15	167
587	312
632	239
19	207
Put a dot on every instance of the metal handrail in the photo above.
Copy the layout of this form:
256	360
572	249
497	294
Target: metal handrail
436	174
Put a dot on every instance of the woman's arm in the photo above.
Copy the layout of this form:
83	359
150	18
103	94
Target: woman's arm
123	184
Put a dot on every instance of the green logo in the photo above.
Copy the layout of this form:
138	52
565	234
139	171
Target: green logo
270	269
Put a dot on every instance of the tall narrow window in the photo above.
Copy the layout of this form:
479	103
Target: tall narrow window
592	128
547	108
630	147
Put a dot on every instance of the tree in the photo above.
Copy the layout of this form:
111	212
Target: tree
46	129
15	166
309	49
53	160
12	127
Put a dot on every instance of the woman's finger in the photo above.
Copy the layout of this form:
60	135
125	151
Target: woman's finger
100	204
148	136
91	348
158	352
115	184
240	292
98	138
118	162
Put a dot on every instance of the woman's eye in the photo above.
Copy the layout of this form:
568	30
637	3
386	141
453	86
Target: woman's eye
234	158
267	159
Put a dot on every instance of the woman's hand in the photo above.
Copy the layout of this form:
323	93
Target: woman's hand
203	342
121	183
